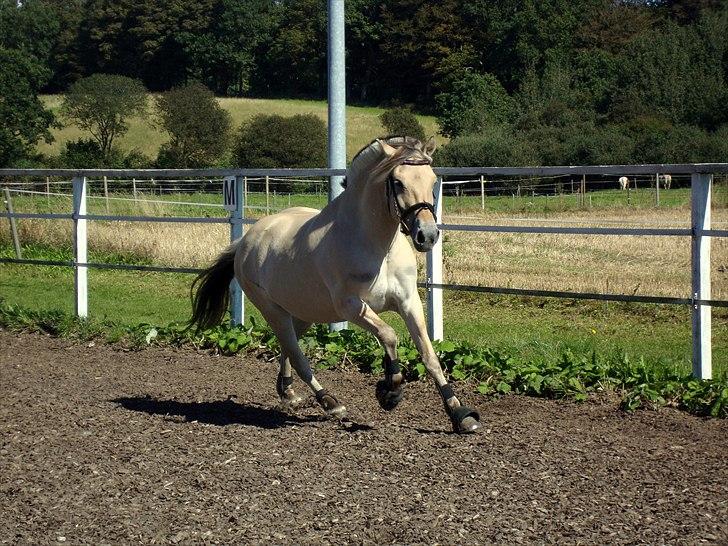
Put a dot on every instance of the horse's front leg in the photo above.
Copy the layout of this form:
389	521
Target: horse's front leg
463	419
389	390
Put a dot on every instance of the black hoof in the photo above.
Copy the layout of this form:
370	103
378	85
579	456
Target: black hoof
330	404
388	399
464	420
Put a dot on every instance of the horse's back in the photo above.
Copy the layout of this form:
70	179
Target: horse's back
275	231
276	256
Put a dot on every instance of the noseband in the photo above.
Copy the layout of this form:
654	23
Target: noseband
402	213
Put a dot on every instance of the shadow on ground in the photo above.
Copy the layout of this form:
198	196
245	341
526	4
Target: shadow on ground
219	412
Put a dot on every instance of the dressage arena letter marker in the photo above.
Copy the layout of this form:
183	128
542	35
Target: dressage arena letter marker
229	195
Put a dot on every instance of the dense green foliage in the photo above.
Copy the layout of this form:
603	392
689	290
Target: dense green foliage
198	127
24	51
272	141
402	121
101	104
578	81
491	372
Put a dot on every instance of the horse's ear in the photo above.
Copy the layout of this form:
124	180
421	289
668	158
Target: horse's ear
430	146
386	148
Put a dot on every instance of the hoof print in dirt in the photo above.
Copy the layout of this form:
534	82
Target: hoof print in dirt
388	399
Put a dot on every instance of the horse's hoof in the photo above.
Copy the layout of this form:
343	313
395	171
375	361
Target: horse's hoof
331	405
291	401
465	420
388	399
339	412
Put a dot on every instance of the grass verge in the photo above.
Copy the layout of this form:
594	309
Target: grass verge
493	372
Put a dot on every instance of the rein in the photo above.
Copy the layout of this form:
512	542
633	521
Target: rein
402	213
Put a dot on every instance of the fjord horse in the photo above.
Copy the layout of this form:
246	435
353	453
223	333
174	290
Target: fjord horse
347	262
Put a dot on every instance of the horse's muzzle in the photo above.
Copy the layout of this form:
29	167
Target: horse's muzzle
424	235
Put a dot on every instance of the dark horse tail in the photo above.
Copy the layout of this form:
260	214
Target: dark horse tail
210	291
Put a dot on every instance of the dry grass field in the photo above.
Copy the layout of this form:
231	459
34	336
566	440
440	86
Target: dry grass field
646	265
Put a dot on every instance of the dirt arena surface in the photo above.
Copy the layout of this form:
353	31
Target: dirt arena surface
99	446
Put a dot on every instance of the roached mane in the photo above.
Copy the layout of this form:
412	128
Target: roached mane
408	149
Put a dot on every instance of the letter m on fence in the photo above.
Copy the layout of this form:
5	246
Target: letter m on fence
229	196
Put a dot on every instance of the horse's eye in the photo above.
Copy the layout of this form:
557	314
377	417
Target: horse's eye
398	184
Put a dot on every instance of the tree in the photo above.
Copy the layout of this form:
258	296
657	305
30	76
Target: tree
198	127
25	42
495	146
273	141
101	104
662	72
472	103
24	120
144	39
295	63
225	56
402	122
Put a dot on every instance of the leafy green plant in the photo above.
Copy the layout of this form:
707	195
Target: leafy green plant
491	372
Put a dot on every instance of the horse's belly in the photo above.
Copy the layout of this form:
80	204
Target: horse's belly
307	299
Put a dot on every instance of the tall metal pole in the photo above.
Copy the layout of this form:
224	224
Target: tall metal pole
337	104
337	95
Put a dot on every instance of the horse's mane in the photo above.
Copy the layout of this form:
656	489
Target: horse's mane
370	161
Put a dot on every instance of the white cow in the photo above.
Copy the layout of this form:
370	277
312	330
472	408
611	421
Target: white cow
665	180
623	183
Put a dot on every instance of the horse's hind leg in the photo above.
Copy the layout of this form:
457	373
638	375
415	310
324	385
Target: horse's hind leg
284	382
284	327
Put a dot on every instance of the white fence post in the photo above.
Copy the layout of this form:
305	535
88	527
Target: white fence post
237	301
434	275
700	250
482	192
80	246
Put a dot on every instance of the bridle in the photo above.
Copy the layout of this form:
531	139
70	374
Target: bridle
402	213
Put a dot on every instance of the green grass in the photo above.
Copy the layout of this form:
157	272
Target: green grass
362	125
121	202
530	328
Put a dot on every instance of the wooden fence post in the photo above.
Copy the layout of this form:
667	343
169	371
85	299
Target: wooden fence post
245	190
13	227
106	194
267	194
482	192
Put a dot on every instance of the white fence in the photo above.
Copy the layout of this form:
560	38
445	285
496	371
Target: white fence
700	233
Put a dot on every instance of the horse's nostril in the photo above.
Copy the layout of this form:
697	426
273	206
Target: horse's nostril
420	237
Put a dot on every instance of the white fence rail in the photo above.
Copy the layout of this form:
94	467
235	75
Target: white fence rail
700	233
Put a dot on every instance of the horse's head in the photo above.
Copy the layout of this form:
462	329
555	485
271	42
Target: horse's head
409	187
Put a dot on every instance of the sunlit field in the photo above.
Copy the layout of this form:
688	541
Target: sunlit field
362	123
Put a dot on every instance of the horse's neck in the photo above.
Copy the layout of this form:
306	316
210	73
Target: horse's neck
364	214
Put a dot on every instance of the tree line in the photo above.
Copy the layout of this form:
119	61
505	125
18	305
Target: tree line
551	81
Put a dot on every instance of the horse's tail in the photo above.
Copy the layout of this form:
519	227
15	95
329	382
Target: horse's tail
210	291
